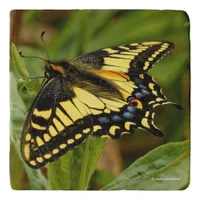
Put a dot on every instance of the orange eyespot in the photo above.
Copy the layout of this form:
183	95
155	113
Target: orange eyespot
136	103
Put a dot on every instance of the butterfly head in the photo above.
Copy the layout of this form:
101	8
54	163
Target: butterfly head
54	69
59	68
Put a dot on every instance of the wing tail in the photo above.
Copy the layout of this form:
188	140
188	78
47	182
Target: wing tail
149	93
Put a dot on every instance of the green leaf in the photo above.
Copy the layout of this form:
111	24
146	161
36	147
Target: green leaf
150	172
34	66
17	171
17	109
26	87
19	63
28	91
73	170
102	176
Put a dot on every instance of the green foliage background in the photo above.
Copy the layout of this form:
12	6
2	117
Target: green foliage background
72	33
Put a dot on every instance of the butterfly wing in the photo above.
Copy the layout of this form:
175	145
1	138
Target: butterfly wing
112	115
133	58
54	124
125	66
139	90
65	113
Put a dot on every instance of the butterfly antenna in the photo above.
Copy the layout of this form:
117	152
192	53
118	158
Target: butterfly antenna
45	47
20	53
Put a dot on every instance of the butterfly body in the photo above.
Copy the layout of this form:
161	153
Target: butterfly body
105	93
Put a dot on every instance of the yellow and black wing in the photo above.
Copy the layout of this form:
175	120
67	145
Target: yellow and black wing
133	58
64	114
125	67
139	90
56	122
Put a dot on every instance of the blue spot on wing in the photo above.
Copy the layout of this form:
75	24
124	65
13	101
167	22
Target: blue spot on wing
145	92
142	86
131	109
104	120
116	118
139	95
128	115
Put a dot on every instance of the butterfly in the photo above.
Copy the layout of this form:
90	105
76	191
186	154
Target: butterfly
105	93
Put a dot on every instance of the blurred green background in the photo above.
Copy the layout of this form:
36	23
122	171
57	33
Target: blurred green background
72	33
